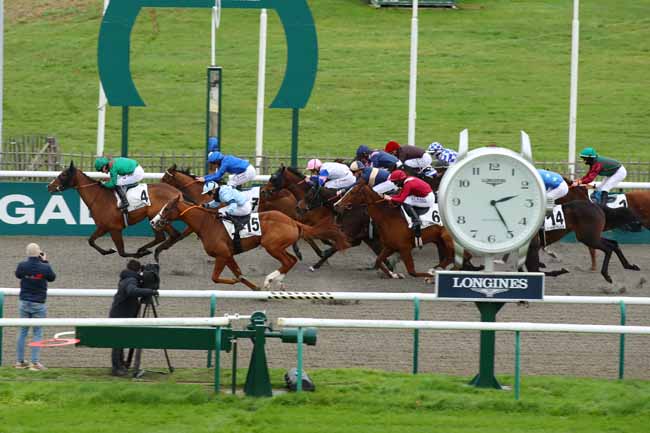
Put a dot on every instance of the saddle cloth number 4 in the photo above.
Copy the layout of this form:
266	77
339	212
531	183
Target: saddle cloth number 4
138	197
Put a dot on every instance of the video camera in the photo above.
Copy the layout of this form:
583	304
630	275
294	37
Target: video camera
150	279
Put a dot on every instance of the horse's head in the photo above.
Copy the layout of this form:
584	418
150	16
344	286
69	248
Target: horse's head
170	175
277	179
65	180
575	193
168	213
357	195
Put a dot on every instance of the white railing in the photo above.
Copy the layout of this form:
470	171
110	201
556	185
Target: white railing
162	321
92	174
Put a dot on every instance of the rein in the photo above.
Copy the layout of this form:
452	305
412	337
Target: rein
190	208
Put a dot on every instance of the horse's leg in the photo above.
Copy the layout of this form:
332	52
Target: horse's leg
287	260
296	251
99	232
159	237
621	257
376	247
315	247
326	255
219	264
118	240
407	258
592	255
173	238
234	267
379	263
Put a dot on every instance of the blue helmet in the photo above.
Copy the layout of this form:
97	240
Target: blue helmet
434	147
363	150
215	157
213	144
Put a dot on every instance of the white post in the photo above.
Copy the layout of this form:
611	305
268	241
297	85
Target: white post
2	58
573	104
213	37
413	74
261	83
101	111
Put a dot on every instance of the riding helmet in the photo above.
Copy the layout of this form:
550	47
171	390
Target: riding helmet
213	144
215	157
397	176
588	152
356	166
391	146
100	163
314	164
363	150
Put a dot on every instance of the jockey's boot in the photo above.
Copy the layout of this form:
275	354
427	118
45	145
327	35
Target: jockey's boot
124	203
417	223
239	222
542	237
603	198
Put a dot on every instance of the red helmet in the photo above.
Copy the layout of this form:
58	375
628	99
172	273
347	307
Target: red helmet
397	176
391	146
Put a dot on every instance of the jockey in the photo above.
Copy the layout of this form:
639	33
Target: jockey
238	207
381	159
412	157
124	172
415	193
601	166
242	171
556	187
363	155
213	144
440	153
332	175
376	178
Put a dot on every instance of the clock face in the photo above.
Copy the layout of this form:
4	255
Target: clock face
494	202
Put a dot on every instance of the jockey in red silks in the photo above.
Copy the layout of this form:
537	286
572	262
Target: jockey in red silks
413	157
416	197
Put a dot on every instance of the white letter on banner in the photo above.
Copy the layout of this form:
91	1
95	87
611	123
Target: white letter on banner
50	213
84	214
25	215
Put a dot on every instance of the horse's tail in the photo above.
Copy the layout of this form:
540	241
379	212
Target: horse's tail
324	230
621	218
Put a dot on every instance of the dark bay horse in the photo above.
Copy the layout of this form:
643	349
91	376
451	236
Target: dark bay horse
278	233
282	201
108	218
318	205
393	230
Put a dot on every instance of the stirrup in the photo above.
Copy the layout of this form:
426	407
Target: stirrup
418	242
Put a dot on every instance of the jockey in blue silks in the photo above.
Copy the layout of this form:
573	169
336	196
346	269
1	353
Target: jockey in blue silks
238	207
376	178
442	154
363	155
556	187
240	169
381	159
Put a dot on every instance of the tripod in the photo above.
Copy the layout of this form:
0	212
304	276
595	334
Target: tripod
149	310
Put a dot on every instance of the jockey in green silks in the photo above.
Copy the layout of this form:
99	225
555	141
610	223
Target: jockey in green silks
124	173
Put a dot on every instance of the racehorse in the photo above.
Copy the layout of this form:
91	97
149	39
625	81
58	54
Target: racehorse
108	218
282	201
588	221
278	233
393	230
318	205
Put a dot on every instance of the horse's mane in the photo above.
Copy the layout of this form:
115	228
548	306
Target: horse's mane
294	171
185	171
72	170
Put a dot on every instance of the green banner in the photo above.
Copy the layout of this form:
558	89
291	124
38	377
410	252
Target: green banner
29	209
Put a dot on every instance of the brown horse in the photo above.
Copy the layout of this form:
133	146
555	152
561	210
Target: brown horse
108	218
282	201
278	233
393	230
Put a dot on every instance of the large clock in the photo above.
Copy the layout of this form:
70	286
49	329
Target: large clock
492	201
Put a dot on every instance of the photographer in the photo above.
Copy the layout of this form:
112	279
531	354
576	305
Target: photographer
34	273
136	282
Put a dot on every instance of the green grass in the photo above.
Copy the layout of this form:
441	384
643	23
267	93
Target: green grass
493	66
352	400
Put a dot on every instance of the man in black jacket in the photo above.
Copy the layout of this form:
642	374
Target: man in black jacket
126	303
34	273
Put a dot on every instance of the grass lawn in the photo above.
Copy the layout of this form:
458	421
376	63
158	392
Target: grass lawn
351	400
493	66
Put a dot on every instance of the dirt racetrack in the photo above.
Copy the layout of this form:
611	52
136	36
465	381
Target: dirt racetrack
186	266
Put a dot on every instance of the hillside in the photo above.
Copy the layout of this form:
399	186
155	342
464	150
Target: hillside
492	66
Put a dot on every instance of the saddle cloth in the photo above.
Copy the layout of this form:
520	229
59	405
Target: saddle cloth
615	201
428	219
138	197
252	228
555	221
253	194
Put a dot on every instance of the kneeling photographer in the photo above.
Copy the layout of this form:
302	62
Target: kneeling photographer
138	284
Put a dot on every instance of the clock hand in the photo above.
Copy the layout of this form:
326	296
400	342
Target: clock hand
493	203
501	200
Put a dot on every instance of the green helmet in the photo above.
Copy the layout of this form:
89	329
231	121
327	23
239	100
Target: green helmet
588	152
100	163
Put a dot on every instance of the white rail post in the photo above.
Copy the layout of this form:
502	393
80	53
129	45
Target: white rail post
101	110
413	74
261	83
573	102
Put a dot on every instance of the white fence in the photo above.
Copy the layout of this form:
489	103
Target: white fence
94	175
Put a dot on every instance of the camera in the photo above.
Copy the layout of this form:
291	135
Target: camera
150	276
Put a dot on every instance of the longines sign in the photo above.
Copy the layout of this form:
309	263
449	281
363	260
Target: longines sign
28	209
481	286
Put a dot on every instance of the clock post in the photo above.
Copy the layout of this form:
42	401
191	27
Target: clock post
492	202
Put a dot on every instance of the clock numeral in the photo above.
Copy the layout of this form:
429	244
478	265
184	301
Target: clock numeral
491	239
495	166
463	183
455	201
476	171
435	197
529	203
524	184
523	221
474	233
461	220
513	171
510	234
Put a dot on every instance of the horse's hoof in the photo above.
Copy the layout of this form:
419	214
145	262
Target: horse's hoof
111	251
428	280
143	253
498	262
608	279
634	268
312	269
